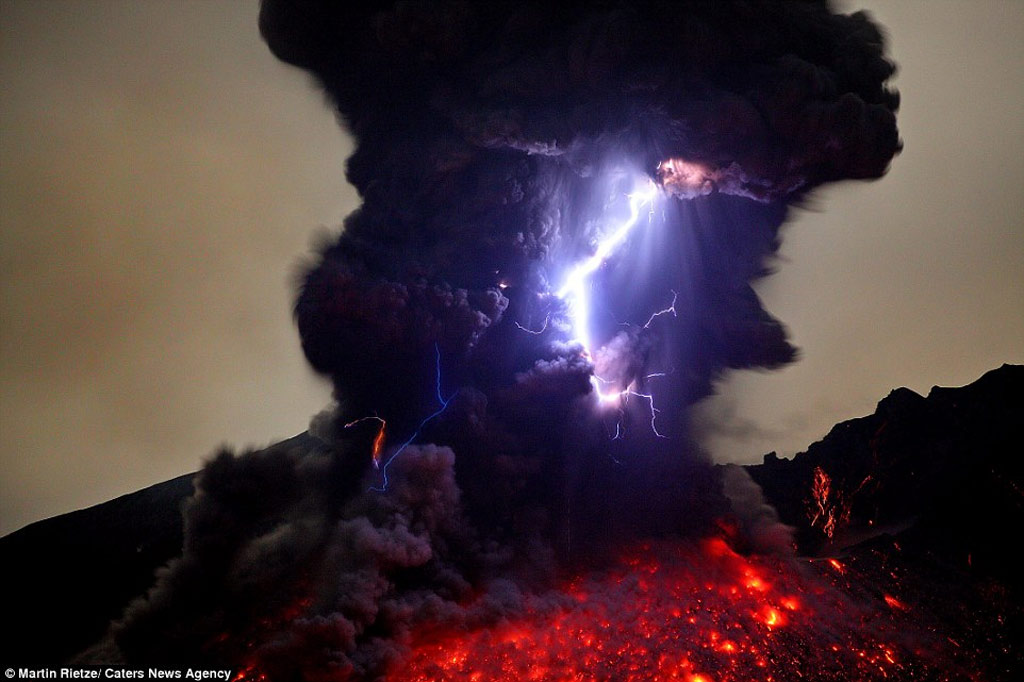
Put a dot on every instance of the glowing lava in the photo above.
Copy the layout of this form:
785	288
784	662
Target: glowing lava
678	612
826	508
665	610
378	440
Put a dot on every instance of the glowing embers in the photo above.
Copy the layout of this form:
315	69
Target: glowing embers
377	449
378	440
826	509
674	612
250	673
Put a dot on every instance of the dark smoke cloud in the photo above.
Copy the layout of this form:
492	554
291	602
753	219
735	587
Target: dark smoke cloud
285	551
487	134
495	143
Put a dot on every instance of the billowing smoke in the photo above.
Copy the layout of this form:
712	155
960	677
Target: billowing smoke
470	460
758	520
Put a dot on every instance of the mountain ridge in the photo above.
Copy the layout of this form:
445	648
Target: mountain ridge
927	472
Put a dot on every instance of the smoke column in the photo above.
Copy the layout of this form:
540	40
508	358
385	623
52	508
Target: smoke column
470	461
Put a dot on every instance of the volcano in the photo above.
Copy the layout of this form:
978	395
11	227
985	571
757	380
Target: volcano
918	573
564	206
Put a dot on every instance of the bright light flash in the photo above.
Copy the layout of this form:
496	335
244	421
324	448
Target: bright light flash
576	290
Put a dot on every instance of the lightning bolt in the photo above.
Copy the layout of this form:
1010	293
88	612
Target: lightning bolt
536	332
664	311
624	395
575	290
576	293
442	401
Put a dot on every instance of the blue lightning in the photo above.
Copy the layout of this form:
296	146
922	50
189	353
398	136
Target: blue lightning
649	397
575	292
443	406
664	311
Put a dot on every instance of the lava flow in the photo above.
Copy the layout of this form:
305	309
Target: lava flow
826	508
697	612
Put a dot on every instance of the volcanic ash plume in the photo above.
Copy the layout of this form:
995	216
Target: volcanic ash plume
564	205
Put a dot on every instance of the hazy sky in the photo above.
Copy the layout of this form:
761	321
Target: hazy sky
161	175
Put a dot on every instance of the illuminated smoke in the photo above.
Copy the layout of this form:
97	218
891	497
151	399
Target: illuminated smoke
560	201
758	520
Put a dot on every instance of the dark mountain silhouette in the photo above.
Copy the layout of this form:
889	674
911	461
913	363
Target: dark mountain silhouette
929	487
943	471
67	577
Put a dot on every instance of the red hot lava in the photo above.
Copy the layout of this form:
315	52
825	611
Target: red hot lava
826	509
694	612
699	613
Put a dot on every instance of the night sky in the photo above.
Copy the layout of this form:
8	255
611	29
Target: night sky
162	175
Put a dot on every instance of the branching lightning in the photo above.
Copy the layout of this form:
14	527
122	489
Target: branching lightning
654	411
443	402
665	311
576	293
649	397
575	290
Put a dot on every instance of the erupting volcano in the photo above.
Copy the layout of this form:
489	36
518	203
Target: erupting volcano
563	207
696	612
